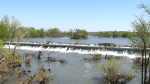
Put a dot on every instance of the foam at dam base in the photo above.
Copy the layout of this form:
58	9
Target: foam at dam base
79	51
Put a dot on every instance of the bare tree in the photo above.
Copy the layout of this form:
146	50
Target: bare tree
142	41
147	10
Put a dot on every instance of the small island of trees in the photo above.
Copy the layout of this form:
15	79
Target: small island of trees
78	34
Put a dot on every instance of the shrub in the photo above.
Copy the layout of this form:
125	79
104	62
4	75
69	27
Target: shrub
97	57
112	74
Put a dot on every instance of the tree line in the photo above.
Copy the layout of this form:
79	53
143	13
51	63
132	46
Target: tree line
10	27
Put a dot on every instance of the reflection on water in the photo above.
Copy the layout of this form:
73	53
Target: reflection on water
75	70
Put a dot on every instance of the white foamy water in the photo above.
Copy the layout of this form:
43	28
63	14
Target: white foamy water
79	51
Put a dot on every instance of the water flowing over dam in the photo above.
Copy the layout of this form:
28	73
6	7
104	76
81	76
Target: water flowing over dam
121	51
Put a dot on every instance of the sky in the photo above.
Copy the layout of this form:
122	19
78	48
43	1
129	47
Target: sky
92	15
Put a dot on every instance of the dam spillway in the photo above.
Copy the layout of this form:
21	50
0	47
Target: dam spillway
77	46
117	51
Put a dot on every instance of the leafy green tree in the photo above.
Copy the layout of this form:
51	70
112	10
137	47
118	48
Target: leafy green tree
4	28
32	32
54	32
41	32
11	30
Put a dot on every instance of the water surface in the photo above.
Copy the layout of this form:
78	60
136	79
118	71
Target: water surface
76	70
89	40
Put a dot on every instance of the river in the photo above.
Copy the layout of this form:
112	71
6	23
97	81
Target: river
89	40
76	70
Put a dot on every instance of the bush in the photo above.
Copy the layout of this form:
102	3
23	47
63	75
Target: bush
97	57
41	77
8	63
112	74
